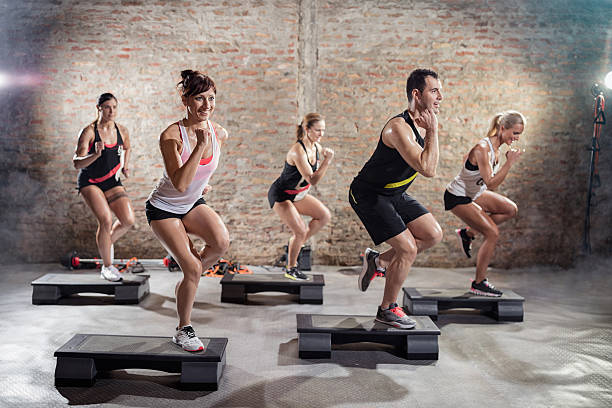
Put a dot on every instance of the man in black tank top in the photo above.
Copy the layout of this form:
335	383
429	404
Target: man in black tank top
378	196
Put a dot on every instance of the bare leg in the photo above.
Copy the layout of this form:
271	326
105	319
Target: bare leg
404	248
119	203
205	223
173	236
426	232
96	200
405	251
290	216
499	208
474	216
315	209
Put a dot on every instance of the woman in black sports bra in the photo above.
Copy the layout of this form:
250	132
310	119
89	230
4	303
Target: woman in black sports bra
102	155
288	195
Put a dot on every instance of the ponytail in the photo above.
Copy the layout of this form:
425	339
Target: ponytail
307	123
494	125
506	119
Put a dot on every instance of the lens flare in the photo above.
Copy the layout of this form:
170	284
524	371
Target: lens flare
608	80
4	80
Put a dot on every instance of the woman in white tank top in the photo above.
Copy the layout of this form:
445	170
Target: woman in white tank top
190	149
469	198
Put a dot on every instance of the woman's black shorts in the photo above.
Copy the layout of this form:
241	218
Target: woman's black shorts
106	185
154	213
451	200
275	194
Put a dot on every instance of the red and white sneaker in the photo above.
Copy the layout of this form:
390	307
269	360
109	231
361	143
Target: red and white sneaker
187	339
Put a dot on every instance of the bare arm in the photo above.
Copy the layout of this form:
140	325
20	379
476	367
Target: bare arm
170	144
127	148
299	157
81	158
480	155
222	134
399	135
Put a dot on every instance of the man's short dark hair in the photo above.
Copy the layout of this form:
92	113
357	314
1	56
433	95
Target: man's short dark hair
416	80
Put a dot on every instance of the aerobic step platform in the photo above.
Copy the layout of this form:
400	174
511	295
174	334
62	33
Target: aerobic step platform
84	355
428	302
317	333
234	288
48	289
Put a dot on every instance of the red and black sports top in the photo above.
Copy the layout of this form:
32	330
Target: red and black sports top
291	180
107	165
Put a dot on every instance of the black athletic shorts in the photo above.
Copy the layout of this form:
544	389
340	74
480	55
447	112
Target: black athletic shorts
383	216
106	185
154	213
277	195
451	200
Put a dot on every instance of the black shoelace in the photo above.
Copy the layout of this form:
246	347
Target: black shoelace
188	330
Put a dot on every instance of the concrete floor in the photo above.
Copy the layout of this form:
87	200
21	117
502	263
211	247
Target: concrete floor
560	356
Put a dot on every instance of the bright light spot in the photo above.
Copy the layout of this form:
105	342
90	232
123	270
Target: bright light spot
4	80
608	80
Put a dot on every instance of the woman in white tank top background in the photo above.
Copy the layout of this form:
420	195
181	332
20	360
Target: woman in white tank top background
190	149
469	197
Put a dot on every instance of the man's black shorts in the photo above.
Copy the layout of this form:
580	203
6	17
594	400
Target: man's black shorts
383	216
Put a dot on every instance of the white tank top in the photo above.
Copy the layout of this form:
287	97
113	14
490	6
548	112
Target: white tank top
165	197
469	183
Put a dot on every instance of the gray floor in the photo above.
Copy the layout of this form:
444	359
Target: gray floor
561	355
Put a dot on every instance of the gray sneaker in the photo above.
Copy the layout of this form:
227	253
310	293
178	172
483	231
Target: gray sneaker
369	270
394	316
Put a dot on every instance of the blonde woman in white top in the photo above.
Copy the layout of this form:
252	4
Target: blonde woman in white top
470	198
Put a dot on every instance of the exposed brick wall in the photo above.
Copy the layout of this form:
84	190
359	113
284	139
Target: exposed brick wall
540	58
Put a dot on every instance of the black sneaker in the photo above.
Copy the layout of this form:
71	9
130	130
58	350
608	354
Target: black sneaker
484	288
369	270
394	316
295	274
465	242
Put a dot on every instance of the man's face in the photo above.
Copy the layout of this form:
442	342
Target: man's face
431	95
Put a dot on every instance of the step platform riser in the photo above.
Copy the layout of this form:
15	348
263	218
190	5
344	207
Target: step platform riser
429	302
79	367
315	340
235	288
46	292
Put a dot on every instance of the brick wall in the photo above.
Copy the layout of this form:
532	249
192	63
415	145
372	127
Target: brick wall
273	61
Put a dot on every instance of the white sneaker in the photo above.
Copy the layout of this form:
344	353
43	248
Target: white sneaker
187	339
110	273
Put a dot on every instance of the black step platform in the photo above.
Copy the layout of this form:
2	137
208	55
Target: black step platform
234	288
84	355
49	288
427	302
317	333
